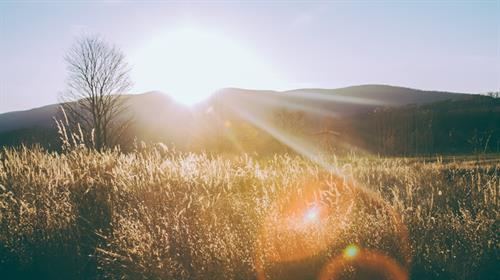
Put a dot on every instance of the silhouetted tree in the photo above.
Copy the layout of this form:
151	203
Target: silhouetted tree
97	76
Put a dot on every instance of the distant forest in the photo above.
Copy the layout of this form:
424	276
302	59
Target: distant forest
447	127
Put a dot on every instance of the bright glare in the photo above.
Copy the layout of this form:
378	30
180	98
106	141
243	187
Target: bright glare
311	214
190	64
351	251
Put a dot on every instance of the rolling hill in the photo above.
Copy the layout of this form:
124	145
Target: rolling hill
159	118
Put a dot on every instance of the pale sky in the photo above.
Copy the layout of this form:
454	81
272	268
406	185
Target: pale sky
180	48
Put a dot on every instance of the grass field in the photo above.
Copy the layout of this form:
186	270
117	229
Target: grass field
159	214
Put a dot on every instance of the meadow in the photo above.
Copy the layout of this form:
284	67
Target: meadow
155	213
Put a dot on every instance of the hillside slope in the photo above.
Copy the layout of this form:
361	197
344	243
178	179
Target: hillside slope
159	118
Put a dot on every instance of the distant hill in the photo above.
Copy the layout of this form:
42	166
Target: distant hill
159	118
390	95
339	102
38	117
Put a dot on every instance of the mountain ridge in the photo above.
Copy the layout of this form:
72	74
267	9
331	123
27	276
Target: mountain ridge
265	91
158	115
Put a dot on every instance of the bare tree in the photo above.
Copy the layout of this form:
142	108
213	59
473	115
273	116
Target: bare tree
97	77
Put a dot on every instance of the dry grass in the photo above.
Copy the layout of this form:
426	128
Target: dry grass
158	214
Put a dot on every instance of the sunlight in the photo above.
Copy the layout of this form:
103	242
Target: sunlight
300	146
190	64
311	214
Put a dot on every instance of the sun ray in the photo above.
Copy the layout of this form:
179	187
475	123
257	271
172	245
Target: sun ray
332	97
295	143
283	102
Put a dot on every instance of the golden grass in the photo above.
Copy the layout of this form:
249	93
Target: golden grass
159	214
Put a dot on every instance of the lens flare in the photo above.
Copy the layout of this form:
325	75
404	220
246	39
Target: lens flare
351	251
308	224
355	263
302	225
311	215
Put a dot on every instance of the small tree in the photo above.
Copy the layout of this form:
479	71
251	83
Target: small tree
97	77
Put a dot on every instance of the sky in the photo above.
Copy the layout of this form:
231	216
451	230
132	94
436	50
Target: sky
189	49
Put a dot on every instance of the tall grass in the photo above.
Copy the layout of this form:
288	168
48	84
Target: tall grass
160	214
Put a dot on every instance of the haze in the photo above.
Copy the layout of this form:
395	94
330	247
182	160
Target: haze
451	46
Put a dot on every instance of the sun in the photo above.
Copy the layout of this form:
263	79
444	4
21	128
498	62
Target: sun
190	64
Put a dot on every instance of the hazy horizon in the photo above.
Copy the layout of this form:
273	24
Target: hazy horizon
244	89
443	46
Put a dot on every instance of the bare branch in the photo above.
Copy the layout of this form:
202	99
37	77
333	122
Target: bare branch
97	77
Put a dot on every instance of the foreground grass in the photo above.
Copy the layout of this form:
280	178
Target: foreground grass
157	214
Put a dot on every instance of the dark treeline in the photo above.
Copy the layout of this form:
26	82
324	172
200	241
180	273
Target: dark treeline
447	127
46	137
